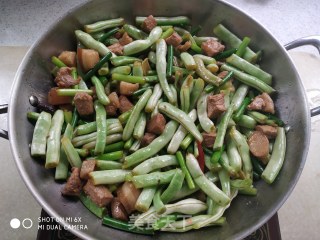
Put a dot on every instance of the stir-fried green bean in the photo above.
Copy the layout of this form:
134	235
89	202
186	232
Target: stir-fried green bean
101	128
133	118
277	157
154	147
134	32
205	74
181	117
205	122
155	163
53	140
141	45
102	25
40	134
161	66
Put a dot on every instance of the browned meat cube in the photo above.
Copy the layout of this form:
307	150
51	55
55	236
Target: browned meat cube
116	48
118	211
156	124
84	104
184	47
212	47
259	146
128	88
147	139
64	78
86	168
174	40
125	104
118	35
55	99
270	131
128	195
88	58
125	39
149	23
262	102
100	195
114	104
74	185
68	58
215	105
208	139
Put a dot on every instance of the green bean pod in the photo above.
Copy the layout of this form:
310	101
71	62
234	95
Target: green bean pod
161	66
222	129
141	45
163	21
72	155
155	163
90	42
154	147
180	134
188	61
205	74
124	70
109	176
128	129
249	79
198	87
157	202
181	117
145	199
174	186
153	179
40	134
247	122
203	182
243	149
239	96
249	68
102	97
123	60
154	98
134	32
53	140
233	155
205	122
138	131
101	116
277	157
206	60
108	165
102	25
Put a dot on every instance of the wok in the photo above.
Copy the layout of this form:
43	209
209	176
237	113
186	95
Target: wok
246	214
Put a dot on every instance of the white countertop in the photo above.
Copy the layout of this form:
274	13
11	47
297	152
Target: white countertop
23	21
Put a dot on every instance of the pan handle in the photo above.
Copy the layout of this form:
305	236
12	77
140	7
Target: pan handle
313	41
4	109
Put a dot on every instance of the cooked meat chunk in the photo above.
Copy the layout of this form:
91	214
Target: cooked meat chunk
74	185
86	168
128	88
64	78
88	58
156	124
83	103
212	47
68	58
54	99
149	23
114	104
215	105
125	39
262	102
100	194
174	39
223	74
116	48
118	211
270	131
128	195
259	146
208	139
118	35
184	47
147	139
125	104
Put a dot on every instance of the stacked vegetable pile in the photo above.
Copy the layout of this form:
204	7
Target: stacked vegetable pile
158	124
